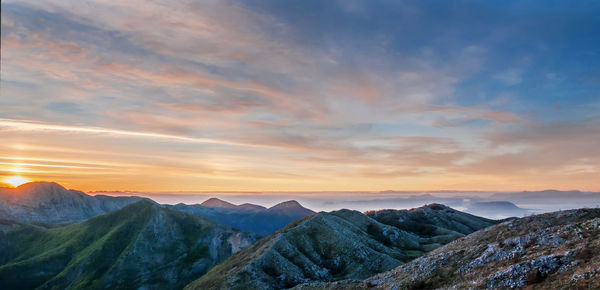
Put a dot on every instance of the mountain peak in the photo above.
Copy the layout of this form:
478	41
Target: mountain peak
146	203
290	207
51	202
39	192
251	207
217	203
288	204
496	209
435	206
41	186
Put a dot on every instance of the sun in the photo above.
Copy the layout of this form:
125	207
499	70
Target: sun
15	181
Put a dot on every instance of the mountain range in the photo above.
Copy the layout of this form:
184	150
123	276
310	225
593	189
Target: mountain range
339	245
247	217
49	202
51	237
214	202
142	245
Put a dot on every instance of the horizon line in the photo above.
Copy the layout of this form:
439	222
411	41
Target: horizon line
386	191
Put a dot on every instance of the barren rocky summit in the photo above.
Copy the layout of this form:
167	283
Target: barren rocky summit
549	251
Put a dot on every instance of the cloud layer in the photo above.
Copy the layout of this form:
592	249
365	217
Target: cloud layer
306	95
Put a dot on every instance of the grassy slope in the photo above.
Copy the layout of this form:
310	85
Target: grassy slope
83	255
46	254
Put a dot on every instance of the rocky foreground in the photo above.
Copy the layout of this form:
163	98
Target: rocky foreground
559	250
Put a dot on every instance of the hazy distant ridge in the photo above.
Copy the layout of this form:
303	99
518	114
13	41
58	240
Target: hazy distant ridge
247	217
50	202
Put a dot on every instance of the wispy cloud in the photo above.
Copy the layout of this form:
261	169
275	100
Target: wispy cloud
255	95
20	125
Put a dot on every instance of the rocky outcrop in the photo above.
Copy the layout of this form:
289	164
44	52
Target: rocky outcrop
436	224
49	202
550	251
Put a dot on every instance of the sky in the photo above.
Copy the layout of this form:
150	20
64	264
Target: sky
301	95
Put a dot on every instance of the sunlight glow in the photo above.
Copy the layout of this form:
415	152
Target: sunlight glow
15	181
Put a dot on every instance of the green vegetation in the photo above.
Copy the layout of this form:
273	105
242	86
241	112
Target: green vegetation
139	245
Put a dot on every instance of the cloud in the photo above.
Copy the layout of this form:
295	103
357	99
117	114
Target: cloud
21	125
222	94
541	149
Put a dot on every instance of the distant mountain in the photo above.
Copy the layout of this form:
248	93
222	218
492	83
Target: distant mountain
546	195
338	245
550	200
290	208
496	209
50	202
142	245
559	250
251	207
217	203
247	217
214	202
